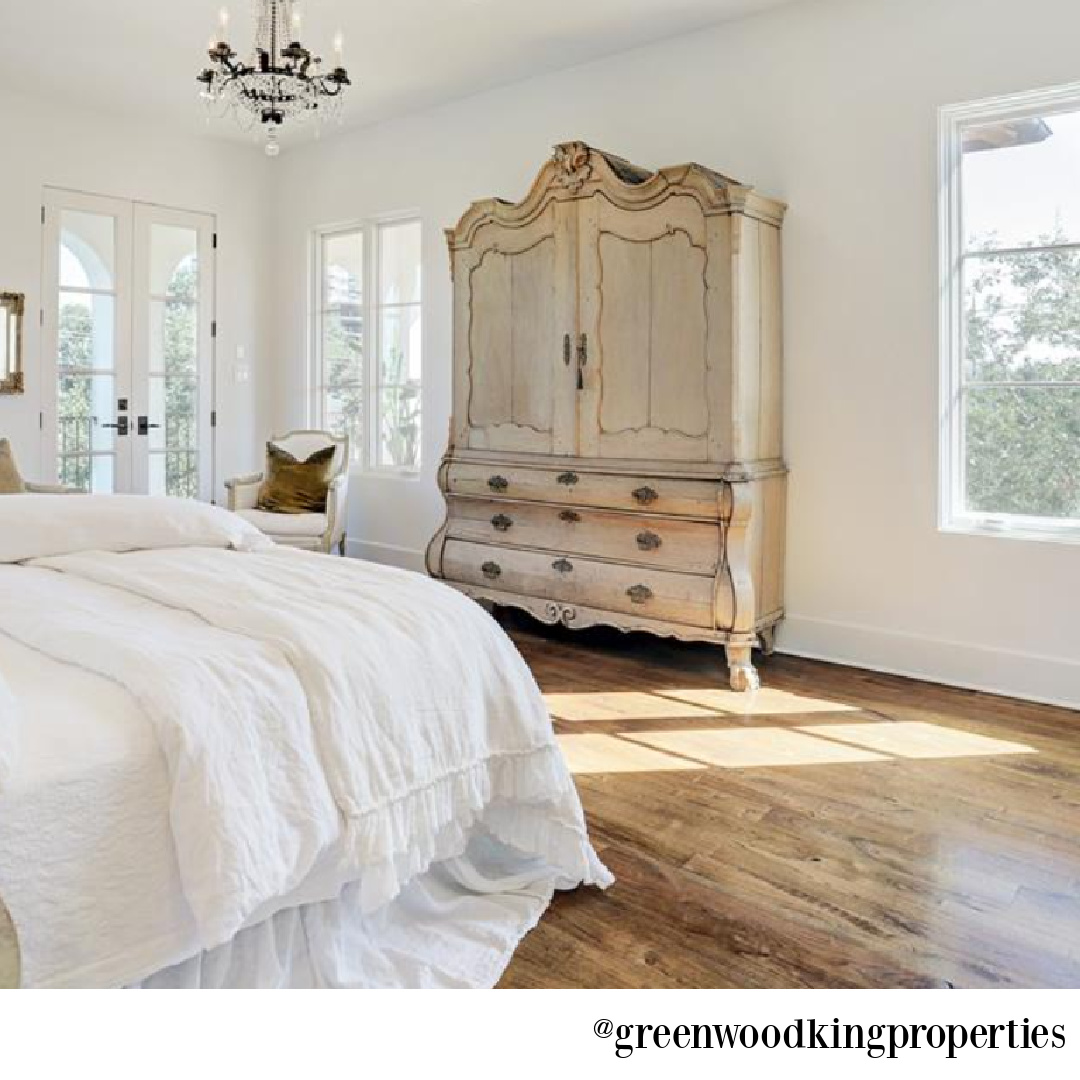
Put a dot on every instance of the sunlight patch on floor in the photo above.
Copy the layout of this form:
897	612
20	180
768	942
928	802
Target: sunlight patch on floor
608	754
686	703
775	747
628	705
763	702
736	748
915	739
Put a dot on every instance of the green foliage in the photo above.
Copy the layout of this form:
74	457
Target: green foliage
76	350
180	350
400	413
1022	327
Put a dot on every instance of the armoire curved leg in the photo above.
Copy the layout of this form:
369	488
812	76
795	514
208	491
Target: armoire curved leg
743	676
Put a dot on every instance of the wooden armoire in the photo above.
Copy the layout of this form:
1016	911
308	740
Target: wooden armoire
615	448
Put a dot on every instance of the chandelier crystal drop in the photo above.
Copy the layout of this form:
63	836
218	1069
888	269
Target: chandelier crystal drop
281	79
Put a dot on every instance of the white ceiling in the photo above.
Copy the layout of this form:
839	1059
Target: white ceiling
141	56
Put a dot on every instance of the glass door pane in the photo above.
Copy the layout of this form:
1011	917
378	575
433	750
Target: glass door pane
173	351
86	333
174	368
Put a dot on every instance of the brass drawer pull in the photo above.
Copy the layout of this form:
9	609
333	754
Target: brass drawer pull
645	495
564	566
639	594
498	483
648	541
501	522
570	515
569	479
491	570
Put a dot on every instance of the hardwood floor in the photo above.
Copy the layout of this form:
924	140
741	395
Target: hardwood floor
845	829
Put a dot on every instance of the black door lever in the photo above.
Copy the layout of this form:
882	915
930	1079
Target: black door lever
145	425
121	425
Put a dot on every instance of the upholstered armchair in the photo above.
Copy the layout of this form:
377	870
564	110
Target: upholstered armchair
314	532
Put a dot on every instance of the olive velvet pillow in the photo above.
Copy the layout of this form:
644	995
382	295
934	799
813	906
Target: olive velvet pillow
11	483
296	487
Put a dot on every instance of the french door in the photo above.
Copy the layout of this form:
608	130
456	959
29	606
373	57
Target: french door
127	325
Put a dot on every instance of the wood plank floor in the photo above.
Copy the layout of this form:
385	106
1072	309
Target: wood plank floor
843	829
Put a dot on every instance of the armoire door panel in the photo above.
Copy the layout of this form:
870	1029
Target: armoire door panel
645	282
678	337
537	333
491	375
625	317
519	306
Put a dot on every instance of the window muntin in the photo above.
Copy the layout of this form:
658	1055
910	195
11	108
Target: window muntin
1011	373
368	341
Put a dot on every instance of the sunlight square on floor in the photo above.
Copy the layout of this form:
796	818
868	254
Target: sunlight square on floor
623	705
608	754
916	739
762	702
740	748
690	704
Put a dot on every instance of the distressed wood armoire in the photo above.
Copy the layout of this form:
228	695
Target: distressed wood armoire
615	448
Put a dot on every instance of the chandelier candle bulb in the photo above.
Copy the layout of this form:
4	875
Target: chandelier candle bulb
339	48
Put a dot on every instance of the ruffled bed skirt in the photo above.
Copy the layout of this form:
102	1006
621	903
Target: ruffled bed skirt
455	926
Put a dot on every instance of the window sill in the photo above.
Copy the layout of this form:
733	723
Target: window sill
1018	529
361	473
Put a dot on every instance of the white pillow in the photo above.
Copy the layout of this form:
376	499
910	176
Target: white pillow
35	526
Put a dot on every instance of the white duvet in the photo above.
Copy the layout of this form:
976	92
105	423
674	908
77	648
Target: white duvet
307	707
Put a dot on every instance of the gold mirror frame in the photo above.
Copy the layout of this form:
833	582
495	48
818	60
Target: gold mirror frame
12	306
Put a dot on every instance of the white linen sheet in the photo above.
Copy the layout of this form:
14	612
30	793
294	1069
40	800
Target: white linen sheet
9	743
109	886
379	726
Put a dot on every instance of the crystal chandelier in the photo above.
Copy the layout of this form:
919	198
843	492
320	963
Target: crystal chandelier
281	79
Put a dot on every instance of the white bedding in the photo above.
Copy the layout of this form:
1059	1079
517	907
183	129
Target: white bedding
313	730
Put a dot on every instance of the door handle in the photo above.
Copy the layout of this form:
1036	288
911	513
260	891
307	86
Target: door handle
145	425
120	427
566	349
582	359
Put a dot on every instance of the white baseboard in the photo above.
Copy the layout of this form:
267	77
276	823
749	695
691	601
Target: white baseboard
390	554
1051	680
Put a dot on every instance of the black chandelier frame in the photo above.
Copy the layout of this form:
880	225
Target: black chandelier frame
291	77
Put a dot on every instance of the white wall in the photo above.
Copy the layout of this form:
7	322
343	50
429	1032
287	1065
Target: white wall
831	106
43	144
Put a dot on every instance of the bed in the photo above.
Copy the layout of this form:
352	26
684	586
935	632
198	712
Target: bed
225	763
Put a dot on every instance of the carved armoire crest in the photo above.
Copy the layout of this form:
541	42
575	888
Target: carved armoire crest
615	449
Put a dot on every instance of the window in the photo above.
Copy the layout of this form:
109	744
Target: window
367	341
1011	316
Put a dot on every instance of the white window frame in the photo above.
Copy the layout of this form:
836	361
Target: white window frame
953	517
367	460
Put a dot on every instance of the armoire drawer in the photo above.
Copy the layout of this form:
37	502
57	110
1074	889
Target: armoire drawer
650	594
665	543
683	498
